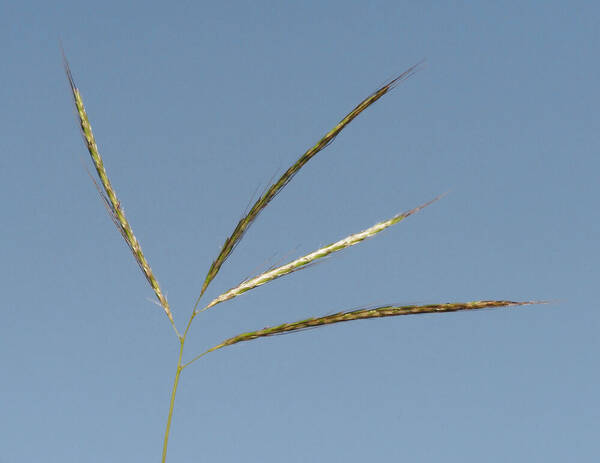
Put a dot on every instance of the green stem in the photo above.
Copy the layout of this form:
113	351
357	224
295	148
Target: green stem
172	403
180	368
197	357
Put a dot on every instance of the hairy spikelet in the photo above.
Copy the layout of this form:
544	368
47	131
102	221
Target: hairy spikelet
110	199
274	189
303	261
363	314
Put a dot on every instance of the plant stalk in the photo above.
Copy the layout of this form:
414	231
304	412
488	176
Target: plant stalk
172	403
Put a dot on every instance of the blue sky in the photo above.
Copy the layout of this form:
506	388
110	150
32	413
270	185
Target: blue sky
196	106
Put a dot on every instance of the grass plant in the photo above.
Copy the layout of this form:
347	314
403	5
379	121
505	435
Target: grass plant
117	215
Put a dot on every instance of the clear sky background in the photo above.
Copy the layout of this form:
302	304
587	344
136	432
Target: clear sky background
196	106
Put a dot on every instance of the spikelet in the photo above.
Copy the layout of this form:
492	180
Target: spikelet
110	199
303	261
363	314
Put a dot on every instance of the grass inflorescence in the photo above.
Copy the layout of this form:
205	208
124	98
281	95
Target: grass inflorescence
117	215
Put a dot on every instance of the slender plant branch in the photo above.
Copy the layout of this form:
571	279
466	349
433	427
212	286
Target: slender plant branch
172	401
197	357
